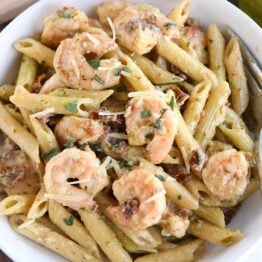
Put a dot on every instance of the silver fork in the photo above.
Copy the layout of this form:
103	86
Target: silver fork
253	71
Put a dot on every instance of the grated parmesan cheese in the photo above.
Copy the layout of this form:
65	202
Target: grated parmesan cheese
93	39
76	69
112	27
150	199
43	113
108	113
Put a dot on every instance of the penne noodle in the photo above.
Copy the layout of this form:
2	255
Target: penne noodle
213	215
251	188
162	63
184	61
16	204
216	50
195	105
180	13
104	236
181	253
236	76
77	232
16	132
49	238
213	234
10	108
214	113
36	50
155	74
6	91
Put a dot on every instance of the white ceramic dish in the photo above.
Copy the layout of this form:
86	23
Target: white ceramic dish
248	219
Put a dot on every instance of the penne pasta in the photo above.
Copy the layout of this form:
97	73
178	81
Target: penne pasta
36	50
184	61
181	253
251	188
59	105
155	74
213	234
104	236
48	238
27	72
214	113
195	105
16	204
75	230
10	108
216	50
236	76
180	13
213	215
39	206
16	132
6	91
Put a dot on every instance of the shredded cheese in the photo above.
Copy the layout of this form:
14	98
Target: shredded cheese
76	69
43	113
108	113
93	39
152	198
118	135
112	27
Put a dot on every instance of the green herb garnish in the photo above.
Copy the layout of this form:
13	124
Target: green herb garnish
70	220
179	197
48	155
72	107
169	24
117	72
145	113
152	17
149	136
94	63
158	124
160	177
126	163
172	103
121	89
99	80
96	147
126	69
65	15
69	144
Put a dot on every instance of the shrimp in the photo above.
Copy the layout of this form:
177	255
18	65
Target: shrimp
141	199
197	41
81	165
226	174
150	121
110	9
53	83
64	23
76	72
73	129
138	28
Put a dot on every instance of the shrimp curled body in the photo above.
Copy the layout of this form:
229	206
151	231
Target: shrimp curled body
77	164
141	197
77	129
76	72
64	23
226	174
149	120
139	27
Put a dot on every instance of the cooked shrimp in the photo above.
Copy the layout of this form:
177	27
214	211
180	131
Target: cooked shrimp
76	72
64	23
81	165
197	40
226	174
53	83
72	128
141	199
138	28
149	120
110	9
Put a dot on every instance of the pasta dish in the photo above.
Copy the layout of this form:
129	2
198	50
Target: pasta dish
123	137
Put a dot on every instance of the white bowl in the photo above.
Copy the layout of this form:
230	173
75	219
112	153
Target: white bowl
220	12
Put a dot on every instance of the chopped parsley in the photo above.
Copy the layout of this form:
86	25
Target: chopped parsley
150	136
145	113
126	163
169	24
94	63
48	155
158	124
65	15
117	72
172	103
96	147
99	80
172	239
72	107
163	111
152	17
70	220
126	69
160	177
69	144
179	197
121	89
